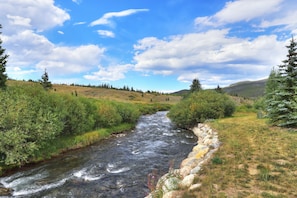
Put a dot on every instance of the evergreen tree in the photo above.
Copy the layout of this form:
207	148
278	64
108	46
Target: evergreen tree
219	89
281	99
195	86
45	81
3	61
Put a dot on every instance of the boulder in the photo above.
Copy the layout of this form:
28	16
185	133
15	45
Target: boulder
5	191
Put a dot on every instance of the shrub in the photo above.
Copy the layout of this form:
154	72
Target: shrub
201	106
24	127
128	112
108	115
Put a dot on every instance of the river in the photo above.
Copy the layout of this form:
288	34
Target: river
114	167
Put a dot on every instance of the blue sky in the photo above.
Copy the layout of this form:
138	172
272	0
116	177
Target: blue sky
146	44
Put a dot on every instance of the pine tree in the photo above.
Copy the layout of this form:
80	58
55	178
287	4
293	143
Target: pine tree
282	101
45	81
219	89
195	86
3	61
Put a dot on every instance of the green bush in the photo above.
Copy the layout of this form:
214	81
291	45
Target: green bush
31	118
24	127
201	106
128	112
108	115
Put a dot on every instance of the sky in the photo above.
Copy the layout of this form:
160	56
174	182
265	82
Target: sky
158	45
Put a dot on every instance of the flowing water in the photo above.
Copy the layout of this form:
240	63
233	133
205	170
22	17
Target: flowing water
114	167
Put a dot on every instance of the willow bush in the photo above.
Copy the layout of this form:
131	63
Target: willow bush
24	127
200	106
31	117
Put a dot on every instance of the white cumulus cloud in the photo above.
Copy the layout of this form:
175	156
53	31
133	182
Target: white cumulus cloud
111	73
209	54
38	14
240	10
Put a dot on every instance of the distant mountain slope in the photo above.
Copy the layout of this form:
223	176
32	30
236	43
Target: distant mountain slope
248	89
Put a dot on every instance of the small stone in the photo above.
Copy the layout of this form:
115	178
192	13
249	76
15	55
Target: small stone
201	153
195	187
187	181
195	170
170	184
185	171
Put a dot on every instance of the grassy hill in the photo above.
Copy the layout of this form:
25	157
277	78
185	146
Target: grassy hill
109	94
247	89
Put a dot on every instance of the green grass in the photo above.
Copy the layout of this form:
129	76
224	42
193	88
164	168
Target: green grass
254	160
63	144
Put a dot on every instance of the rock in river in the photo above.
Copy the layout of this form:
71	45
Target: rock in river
5	191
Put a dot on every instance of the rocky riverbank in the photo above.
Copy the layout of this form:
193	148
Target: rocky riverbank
177	182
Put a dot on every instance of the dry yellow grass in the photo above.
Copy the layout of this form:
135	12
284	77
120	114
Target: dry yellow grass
255	160
109	94
118	95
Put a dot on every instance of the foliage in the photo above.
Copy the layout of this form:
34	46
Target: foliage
46	84
281	91
128	112
3	61
33	118
195	86
200	106
107	114
24	127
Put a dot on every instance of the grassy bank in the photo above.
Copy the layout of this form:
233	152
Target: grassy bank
60	145
254	160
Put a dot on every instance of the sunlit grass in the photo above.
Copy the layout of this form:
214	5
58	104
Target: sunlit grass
255	160
109	94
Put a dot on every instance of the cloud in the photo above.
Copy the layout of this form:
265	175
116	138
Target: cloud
19	21
208	55
240	10
79	23
38	15
60	32
32	52
77	1
106	18
111	73
69	60
106	33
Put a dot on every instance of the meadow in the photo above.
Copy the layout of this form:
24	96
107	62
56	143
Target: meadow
254	160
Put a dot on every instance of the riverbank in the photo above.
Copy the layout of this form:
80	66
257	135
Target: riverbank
253	160
61	145
114	167
178	182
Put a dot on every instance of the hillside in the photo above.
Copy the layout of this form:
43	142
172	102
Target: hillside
109	94
247	89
